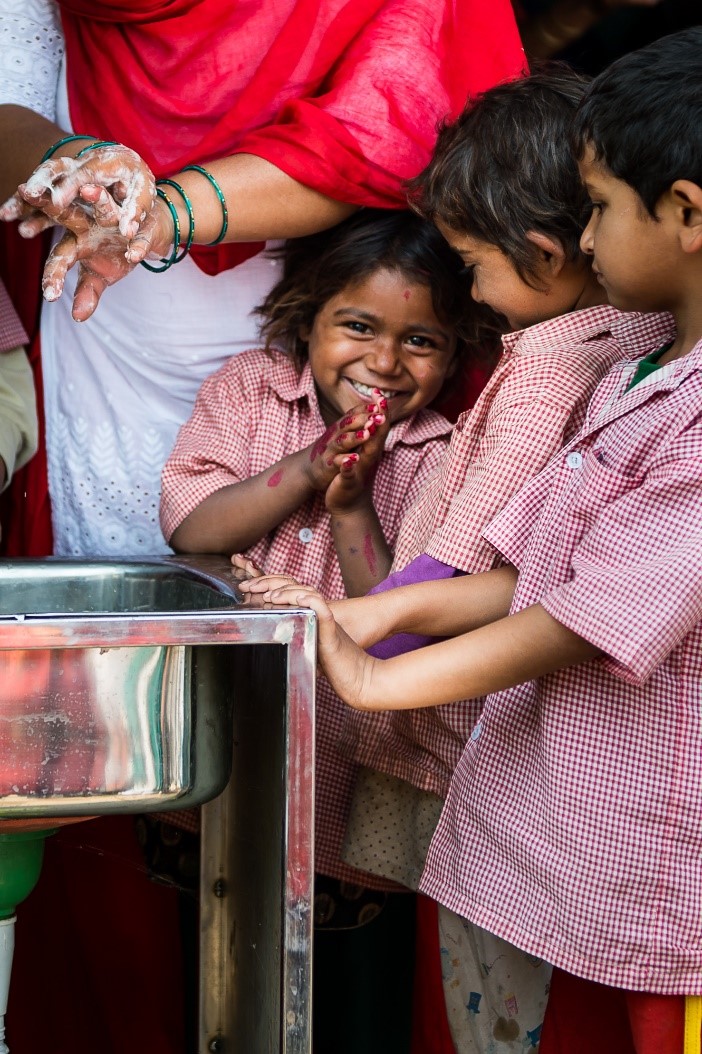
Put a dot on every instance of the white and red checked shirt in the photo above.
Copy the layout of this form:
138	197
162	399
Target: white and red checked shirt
257	409
573	825
534	401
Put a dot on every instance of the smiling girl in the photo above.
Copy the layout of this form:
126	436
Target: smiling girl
306	454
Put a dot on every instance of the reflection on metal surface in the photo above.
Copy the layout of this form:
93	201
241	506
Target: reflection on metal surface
123	686
118	724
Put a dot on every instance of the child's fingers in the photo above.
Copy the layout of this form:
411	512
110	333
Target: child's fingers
245	563
266	583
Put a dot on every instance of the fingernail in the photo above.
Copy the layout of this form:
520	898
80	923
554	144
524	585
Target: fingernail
51	293
346	422
372	429
383	404
342	437
379	419
350	459
361	434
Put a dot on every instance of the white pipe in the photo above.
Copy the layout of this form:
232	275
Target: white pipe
7	947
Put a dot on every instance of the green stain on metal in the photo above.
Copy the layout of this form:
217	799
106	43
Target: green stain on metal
20	863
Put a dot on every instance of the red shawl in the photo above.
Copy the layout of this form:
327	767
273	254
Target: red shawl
342	95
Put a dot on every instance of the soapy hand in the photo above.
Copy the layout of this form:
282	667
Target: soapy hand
105	201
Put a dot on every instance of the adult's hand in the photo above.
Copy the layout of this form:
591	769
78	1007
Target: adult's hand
102	199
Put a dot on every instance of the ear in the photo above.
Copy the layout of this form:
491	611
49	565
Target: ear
686	197
551	252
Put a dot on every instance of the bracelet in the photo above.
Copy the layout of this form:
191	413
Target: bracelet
173	258
220	195
62	142
94	146
191	215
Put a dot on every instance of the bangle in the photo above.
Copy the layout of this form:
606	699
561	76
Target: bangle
173	258
191	215
62	142
220	195
94	146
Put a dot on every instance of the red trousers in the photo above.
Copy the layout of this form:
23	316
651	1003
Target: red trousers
583	1016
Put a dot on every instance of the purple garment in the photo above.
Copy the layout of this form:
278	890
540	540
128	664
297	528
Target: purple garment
422	569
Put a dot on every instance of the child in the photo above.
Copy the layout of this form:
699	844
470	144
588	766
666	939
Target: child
572	825
307	454
504	188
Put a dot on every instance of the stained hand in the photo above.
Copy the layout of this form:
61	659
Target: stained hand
356	470
340	439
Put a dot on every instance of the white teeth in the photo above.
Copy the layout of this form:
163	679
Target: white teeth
364	389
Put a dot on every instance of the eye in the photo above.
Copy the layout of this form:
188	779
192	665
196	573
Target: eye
467	271
419	342
356	327
596	207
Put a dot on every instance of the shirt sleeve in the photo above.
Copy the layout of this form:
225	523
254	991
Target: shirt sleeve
374	125
18	411
636	585
31	51
519	441
212	448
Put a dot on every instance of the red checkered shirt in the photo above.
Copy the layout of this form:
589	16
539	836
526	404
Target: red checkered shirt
12	333
573	826
534	401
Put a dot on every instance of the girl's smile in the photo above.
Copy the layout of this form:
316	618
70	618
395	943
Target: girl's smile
379	333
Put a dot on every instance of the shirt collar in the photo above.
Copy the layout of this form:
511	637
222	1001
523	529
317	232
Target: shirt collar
635	331
292	383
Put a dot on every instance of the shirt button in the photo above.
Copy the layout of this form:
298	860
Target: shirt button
306	535
475	734
574	460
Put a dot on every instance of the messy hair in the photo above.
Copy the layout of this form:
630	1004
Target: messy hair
505	167
642	116
317	267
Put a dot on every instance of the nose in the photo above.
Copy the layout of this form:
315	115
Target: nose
384	357
587	238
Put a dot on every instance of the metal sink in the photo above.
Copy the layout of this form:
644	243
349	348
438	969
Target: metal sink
115	693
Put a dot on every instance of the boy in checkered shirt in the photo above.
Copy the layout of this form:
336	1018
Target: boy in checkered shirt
572	827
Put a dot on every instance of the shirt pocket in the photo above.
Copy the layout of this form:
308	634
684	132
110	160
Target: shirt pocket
600	485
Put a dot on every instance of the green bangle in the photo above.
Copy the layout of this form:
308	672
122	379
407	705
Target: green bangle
94	146
191	214
220	195
62	142
173	258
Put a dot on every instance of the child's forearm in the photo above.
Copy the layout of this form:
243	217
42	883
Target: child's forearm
362	551
508	652
236	517
437	609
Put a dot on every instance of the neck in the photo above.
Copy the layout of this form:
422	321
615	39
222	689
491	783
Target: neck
687	313
592	293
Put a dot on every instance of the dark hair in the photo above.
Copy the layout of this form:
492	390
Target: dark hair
643	116
319	266
505	167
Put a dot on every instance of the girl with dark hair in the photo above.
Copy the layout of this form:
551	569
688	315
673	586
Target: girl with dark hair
307	453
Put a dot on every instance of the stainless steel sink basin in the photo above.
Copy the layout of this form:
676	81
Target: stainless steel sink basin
115	689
